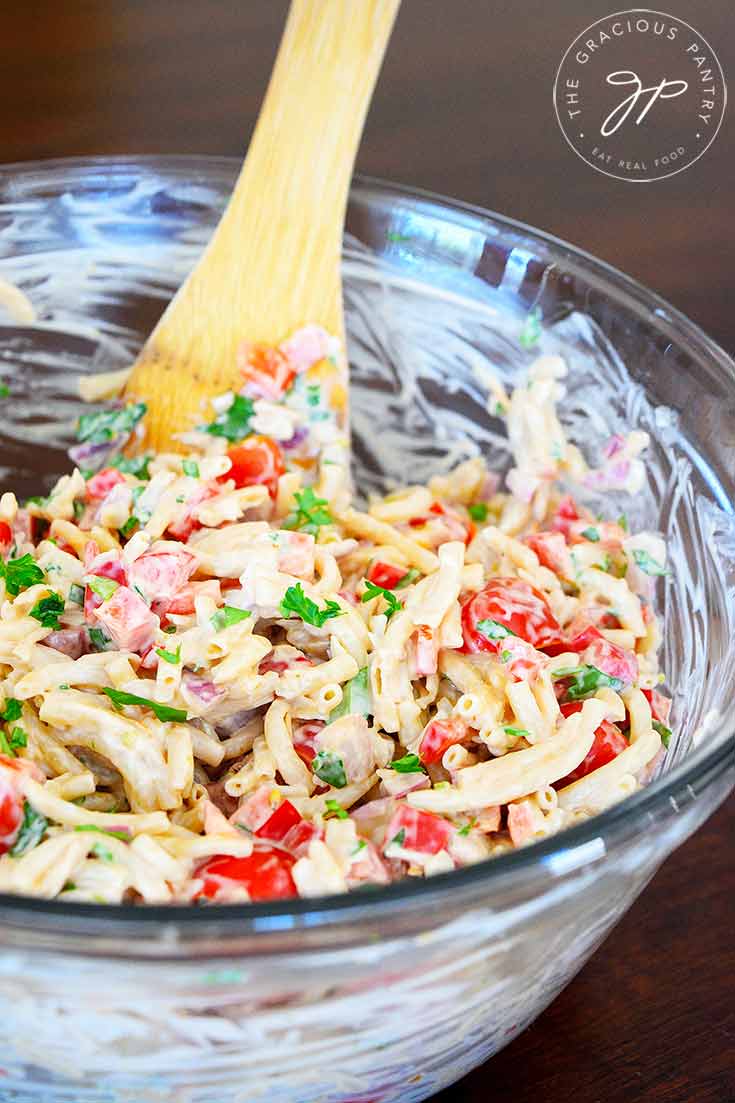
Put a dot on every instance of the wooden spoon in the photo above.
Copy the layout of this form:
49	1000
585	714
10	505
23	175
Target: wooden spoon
273	263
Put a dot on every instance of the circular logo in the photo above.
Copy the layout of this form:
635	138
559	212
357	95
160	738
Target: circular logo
640	95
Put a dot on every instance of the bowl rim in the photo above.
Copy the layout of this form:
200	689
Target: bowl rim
670	791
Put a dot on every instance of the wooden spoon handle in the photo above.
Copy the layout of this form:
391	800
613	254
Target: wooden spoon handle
273	263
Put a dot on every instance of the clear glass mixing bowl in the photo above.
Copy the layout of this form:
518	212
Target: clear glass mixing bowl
388	994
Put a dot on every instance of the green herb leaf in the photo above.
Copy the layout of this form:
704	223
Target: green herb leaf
100	640
106	424
190	467
356	697
234	423
4	390
478	511
163	712
137	466
103	587
18	738
48	610
173	657
170	629
510	729
663	731
102	852
313	394
408	578
647	563
467	827
295	601
399	838
504	656
531	332
76	594
123	836
20	574
330	768
13	710
310	514
409	764
228	615
585	680
334	808
623	522
371	591
493	629
31	831
129	527
591	534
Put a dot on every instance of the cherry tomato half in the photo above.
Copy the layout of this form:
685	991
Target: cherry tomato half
609	742
515	605
257	461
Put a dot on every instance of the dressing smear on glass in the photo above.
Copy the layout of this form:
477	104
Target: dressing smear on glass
225	679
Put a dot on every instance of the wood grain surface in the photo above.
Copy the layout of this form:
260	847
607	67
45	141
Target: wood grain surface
464	108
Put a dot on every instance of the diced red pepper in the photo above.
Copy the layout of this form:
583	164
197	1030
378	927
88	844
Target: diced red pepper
439	735
280	822
304	740
257	461
11	804
100	485
111	567
660	705
424	832
6	536
566	513
265	874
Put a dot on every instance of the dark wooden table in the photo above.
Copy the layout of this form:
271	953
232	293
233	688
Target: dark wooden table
464	107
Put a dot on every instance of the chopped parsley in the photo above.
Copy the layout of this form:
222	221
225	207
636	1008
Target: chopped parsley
234	423
163	712
295	601
4	390
104	425
76	594
591	534
173	657
20	573
129	527
122	835
531	332
310	514
647	563
137	466
356	697
31	831
511	729
399	838
103	587
190	467
334	808
623	522
663	731
102	852
478	511
329	767
409	577
227	616
371	591
585	680
170	629
493	629
313	394
10	744
48	610
409	764
504	656
12	711
464	831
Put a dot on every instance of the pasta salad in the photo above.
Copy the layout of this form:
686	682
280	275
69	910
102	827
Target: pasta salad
222	679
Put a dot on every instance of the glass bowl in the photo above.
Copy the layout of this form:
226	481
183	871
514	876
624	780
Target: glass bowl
391	993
